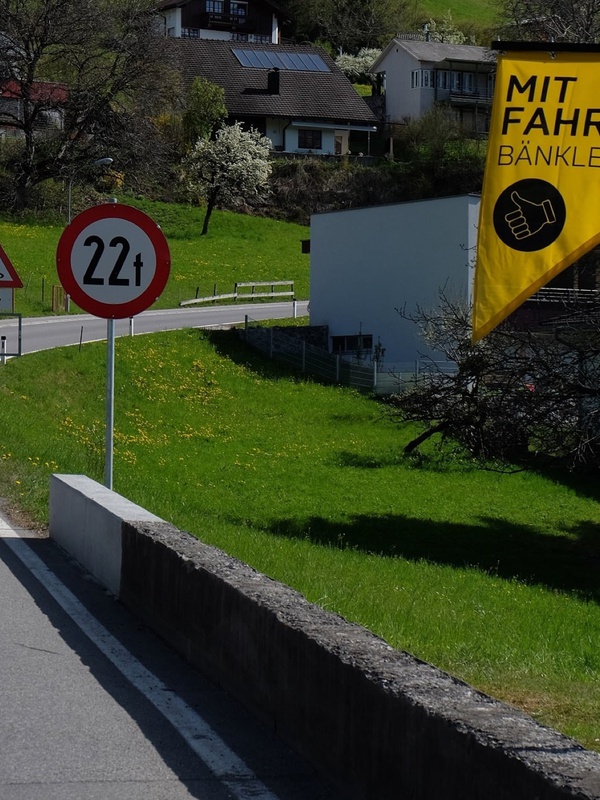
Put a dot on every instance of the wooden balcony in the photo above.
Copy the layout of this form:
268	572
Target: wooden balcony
461	97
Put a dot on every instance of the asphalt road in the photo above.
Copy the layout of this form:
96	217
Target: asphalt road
44	333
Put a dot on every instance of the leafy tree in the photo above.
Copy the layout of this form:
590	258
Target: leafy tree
349	24
205	110
108	58
516	393
555	21
428	137
229	169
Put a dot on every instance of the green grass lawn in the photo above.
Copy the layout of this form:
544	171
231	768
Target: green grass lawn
237	248
484	12
493	577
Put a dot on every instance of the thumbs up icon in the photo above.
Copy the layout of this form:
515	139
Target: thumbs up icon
528	218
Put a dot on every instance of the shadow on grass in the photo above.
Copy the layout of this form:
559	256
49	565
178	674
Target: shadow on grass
230	344
568	563
583	484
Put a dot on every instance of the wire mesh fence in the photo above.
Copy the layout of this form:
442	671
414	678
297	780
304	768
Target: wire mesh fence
366	374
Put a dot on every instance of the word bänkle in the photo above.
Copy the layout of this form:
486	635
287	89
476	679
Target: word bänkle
551	156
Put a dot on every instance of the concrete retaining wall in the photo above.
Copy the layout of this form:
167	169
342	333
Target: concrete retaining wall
378	722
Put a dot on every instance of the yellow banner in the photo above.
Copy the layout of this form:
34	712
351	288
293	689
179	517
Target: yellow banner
541	192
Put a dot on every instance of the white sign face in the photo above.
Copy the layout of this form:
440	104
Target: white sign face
113	261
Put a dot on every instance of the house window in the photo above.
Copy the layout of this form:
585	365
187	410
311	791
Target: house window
463	82
239	10
422	78
214	6
239	37
309	139
443	79
361	343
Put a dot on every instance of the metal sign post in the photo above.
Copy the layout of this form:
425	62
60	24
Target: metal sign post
110	402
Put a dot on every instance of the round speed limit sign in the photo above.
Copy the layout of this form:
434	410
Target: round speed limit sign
113	261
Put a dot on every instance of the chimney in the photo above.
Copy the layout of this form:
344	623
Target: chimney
273	81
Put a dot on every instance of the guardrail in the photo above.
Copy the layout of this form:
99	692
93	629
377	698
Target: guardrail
245	295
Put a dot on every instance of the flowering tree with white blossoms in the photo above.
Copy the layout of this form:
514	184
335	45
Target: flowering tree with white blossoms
358	68
228	169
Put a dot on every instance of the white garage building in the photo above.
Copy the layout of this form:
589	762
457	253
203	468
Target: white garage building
367	263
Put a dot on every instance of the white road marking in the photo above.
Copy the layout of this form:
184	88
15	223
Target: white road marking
226	765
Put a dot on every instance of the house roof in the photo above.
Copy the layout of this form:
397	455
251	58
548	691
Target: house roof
310	95
436	52
52	94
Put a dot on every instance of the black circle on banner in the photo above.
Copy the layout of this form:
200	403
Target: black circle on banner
529	215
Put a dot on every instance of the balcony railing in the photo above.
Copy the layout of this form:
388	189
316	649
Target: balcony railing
253	38
237	21
464	97
550	294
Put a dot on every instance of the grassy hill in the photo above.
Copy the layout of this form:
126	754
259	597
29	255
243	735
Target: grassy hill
482	12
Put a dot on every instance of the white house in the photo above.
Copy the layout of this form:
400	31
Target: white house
368	263
413	75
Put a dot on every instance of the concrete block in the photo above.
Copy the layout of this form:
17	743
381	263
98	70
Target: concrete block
86	519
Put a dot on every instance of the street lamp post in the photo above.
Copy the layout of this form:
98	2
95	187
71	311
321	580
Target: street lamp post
99	162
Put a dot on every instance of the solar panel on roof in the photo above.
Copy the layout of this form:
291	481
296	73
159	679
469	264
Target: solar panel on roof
286	61
320	65
263	58
266	59
297	61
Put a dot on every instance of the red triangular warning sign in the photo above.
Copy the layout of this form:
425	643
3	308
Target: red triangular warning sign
8	274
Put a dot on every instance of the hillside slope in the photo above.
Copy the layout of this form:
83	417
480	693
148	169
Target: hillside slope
464	12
